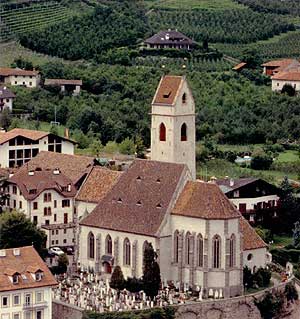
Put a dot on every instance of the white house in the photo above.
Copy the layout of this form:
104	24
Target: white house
6	98
47	198
15	76
19	146
196	231
25	285
281	79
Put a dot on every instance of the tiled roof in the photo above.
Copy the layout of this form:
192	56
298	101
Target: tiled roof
204	200
72	166
139	200
5	93
39	181
97	184
167	90
227	186
62	82
30	134
239	66
24	264
170	37
251	240
288	76
12	71
278	63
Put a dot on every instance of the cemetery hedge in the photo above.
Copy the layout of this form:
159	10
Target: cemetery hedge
155	313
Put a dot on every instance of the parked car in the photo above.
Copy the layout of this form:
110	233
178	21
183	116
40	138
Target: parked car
56	251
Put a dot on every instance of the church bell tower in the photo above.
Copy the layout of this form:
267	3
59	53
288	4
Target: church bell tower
173	123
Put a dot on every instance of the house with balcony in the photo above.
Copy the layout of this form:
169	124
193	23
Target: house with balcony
255	198
25	285
18	146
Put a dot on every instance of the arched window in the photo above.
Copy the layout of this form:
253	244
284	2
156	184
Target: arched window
216	252
91	245
183	133
200	251
108	245
184	98
127	252
232	251
176	246
188	248
162	132
145	244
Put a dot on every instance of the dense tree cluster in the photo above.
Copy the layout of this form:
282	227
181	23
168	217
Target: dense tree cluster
226	26
88	35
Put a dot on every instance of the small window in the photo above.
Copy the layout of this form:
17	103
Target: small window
39	296
249	257
38	276
16	300
16	316
183	132
162	132
183	98
15	279
35	205
5	301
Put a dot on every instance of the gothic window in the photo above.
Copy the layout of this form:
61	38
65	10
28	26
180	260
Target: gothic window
200	251
232	251
127	252
176	246
91	245
188	248
108	245
144	248
183	132
184	98
216	251
162	132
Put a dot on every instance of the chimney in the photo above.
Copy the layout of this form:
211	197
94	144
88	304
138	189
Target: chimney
31	173
17	252
69	187
66	133
231	182
56	171
2	253
213	179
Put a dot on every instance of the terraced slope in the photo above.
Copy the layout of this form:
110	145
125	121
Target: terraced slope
24	18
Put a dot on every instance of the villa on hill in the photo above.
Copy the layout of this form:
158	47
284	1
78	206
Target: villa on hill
15	76
170	39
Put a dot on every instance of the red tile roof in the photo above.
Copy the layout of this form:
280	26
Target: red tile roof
12	71
39	181
74	167
139	200
30	134
278	63
97	184
27	260
288	76
62	82
204	200
167	90
239	66
251	240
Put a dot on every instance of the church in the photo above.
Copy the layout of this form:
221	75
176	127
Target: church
200	237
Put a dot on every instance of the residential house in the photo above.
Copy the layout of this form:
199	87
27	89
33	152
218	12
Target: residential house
255	198
197	232
73	86
281	79
283	65
25	285
170	39
15	76
19	146
6	98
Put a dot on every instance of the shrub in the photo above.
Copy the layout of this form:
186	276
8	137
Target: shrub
270	305
290	292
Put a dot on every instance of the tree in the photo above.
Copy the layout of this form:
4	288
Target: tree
151	274
270	305
289	90
251	57
5	119
261	161
16	230
127	147
63	263
96	147
117	280
291	292
139	147
296	234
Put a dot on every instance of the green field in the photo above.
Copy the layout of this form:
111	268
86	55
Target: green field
194	4
288	156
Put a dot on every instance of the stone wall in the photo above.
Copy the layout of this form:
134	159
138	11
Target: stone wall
61	310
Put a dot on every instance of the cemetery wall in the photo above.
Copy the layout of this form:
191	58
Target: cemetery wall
62	310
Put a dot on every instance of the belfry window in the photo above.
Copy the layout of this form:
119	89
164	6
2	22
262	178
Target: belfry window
162	132
184	98
183	132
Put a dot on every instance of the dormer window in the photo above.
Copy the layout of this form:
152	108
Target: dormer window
139	203
158	205
167	94
158	181
15	279
139	178
119	200
38	276
32	191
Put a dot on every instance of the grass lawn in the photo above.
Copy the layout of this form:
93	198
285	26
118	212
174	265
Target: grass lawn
288	156
281	241
194	4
